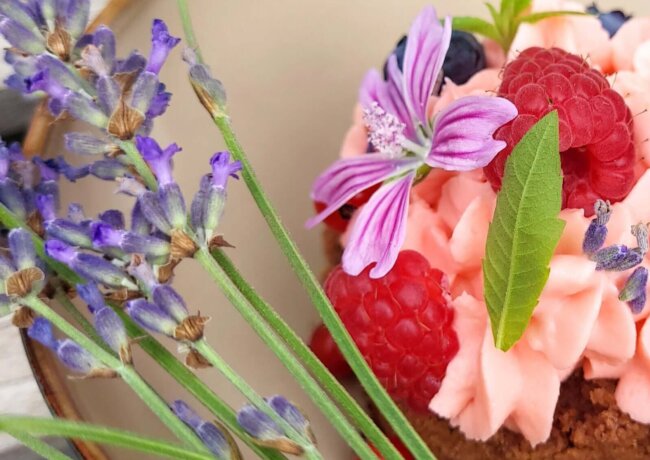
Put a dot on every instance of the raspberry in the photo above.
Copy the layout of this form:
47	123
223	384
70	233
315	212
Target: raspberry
325	349
402	324
596	139
401	448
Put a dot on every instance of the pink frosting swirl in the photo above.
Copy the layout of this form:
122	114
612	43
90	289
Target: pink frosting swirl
579	321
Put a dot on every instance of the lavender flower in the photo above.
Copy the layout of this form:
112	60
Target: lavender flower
111	329
459	138
208	89
214	439
619	257
597	230
70	353
265	431
89	266
635	290
159	160
209	202
161	45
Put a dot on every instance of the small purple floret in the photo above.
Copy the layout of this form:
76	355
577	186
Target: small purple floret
161	45
222	168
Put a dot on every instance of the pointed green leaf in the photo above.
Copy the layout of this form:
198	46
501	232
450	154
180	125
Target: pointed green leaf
521	6
475	26
536	17
507	9
524	232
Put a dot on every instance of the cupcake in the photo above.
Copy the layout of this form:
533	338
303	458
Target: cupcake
408	209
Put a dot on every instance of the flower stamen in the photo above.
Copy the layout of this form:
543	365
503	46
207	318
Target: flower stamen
385	131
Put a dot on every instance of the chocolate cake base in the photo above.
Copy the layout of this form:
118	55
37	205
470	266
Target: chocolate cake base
587	425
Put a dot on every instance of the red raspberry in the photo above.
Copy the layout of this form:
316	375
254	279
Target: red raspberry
339	220
325	349
402	323
596	138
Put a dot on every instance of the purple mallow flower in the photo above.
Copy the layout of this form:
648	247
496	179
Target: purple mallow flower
161	45
408	145
213	438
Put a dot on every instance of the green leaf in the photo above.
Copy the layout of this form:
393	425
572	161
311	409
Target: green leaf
520	6
536	17
524	232
475	26
35	426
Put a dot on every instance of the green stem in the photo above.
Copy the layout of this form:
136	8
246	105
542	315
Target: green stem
150	345
245	389
103	435
128	373
141	166
268	336
188	29
194	385
35	445
371	385
331	385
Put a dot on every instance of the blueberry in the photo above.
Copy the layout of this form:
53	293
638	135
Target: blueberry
611	20
464	58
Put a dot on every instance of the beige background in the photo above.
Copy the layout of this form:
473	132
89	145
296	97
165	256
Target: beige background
292	69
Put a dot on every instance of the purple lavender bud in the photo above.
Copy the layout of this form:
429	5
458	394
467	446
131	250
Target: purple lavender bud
20	13
6	268
12	197
150	246
48	12
83	108
41	81
5	161
208	89
20	37
259	425
86	144
49	188
46	205
41	331
108	94
594	237
222	168
151	317
69	232
134	63
104	40
154	212
197	210
109	169
290	413
617	258
48	169
161	45
186	414
75	358
143	92
635	290
60	251
102	271
143	272
21	247
111	329
92	59
160	102
91	294
114	218
171	302
213	438
75	14
158	159
76	213
131	187
72	173
58	72
139	223
640	232
172	201
105	236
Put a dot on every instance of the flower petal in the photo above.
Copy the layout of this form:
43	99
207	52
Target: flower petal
426	47
347	177
462	138
380	229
